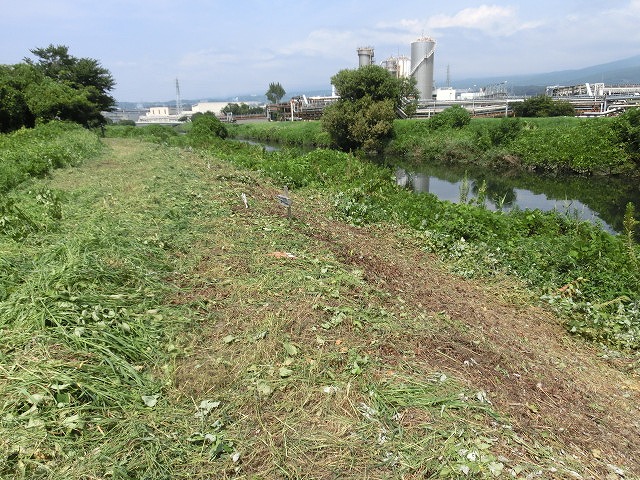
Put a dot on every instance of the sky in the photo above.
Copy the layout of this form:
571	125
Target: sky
224	48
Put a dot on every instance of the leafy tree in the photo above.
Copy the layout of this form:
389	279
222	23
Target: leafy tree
54	85
275	92
14	111
361	124
544	106
242	109
90	81
363	117
49	100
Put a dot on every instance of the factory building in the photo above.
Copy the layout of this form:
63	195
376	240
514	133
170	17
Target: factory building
419	66
400	66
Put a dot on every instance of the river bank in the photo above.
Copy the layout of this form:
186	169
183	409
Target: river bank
560	144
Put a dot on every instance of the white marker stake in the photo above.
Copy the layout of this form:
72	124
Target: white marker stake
285	201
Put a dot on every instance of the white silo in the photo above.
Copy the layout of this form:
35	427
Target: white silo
404	66
399	66
365	56
422	51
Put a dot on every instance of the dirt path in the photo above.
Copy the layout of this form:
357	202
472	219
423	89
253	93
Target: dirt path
519	355
557	391
548	382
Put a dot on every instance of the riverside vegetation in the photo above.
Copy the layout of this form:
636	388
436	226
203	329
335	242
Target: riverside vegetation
155	327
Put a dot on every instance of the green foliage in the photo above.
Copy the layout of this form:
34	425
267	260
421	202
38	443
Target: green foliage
629	224
152	133
452	117
585	146
303	134
361	124
205	128
374	82
626	129
35	152
363	116
56	86
501	133
275	92
14	111
242	109
543	106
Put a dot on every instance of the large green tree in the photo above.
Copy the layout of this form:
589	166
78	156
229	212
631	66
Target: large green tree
370	99
54	84
14	111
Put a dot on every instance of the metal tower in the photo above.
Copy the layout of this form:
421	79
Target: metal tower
178	99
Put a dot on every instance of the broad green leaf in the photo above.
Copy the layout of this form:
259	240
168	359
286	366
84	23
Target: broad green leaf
290	348
150	400
264	388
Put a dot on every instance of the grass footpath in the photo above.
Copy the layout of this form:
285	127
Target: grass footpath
161	328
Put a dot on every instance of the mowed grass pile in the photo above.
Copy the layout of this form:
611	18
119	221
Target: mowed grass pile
154	328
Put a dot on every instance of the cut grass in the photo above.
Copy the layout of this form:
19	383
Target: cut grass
159	332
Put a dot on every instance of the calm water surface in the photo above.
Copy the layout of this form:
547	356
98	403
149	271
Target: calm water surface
601	200
596	199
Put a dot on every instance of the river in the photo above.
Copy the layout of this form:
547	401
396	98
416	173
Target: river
597	199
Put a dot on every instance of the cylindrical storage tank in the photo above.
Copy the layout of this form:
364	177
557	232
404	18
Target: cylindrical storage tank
422	52
391	65
404	66
365	56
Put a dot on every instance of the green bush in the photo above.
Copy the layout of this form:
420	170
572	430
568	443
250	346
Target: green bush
452	117
626	129
544	106
205	128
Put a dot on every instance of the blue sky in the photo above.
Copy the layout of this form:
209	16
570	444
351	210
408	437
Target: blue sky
225	48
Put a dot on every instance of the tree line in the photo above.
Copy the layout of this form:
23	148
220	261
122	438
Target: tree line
54	85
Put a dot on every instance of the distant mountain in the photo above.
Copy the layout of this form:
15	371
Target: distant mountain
232	99
625	71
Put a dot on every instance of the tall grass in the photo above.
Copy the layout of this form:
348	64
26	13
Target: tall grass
307	134
36	152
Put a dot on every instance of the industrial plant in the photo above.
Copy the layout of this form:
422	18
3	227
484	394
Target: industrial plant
595	99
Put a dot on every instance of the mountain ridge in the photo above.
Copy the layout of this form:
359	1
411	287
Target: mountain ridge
623	71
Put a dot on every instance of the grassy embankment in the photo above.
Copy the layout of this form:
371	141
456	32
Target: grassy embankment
585	146
153	328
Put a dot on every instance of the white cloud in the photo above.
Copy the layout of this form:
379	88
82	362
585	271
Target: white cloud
491	19
323	42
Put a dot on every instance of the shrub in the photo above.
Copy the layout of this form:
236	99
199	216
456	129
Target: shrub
544	106
452	117
205	128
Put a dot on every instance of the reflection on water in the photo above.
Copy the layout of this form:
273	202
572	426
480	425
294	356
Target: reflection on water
598	200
